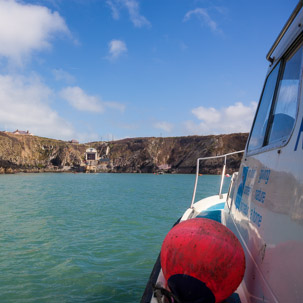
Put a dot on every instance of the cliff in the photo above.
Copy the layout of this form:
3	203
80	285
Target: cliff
23	153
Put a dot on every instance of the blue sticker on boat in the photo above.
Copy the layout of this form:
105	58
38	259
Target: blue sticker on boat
241	187
218	206
299	135
213	215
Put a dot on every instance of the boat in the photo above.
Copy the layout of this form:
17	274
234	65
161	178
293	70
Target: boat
261	215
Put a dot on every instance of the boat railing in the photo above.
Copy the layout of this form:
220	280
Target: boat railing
222	175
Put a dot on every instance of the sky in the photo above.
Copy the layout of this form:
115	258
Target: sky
96	70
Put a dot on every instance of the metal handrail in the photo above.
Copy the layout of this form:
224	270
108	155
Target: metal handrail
222	176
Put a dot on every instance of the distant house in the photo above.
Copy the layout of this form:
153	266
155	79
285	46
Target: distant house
74	141
22	132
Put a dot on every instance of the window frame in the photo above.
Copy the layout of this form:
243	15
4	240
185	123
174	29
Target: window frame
283	141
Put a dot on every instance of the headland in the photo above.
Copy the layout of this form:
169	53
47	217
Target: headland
24	153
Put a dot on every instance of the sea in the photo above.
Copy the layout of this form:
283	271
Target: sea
87	237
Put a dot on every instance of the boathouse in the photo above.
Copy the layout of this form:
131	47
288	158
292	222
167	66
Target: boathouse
91	154
91	159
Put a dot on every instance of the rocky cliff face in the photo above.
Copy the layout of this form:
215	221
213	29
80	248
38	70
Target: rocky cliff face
34	154
140	155
174	155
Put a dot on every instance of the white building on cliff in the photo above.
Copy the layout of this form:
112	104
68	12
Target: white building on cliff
22	132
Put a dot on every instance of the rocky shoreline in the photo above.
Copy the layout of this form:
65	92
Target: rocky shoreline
32	154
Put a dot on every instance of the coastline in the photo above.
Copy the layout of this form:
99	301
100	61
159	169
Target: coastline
170	155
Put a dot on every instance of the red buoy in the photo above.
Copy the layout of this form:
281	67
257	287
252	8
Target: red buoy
202	259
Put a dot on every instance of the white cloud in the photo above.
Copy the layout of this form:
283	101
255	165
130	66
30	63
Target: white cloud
204	16
116	48
208	115
61	75
80	100
25	28
115	105
166	126
133	9
234	118
288	91
114	8
88	137
240	112
23	103
77	98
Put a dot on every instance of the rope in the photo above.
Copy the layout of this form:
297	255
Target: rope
162	293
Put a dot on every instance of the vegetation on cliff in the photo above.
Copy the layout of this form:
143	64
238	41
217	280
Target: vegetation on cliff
21	153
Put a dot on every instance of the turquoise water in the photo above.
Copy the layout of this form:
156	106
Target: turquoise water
86	237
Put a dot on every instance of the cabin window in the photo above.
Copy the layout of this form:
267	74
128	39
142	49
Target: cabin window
278	106
284	112
260	125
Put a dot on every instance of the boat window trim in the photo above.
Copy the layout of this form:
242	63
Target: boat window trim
284	30
256	150
288	55
283	142
274	101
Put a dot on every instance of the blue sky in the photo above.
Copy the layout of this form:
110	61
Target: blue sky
110	69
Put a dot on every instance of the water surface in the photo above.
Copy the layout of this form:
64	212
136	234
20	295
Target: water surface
86	237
